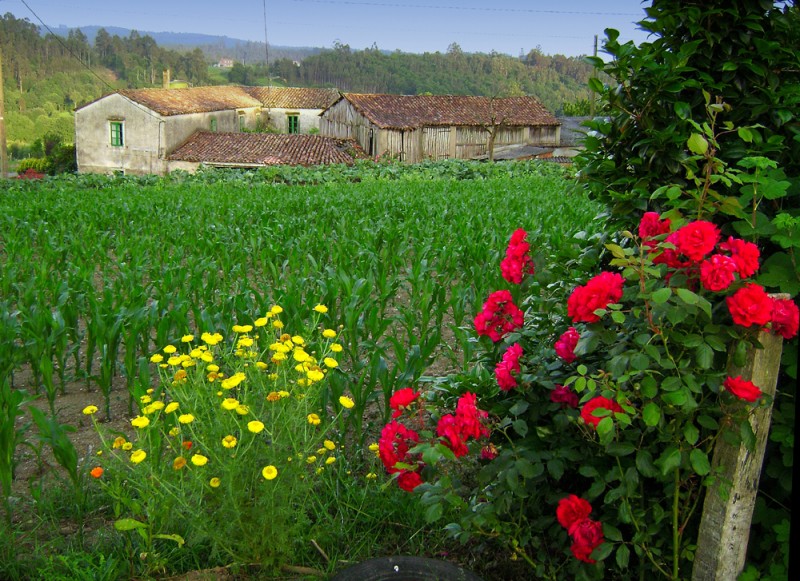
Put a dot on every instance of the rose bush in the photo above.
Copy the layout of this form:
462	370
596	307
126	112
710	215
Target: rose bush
615	403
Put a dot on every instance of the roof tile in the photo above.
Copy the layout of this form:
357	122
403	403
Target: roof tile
294	97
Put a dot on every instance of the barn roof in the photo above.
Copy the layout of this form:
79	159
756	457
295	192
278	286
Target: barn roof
192	100
254	149
294	97
410	111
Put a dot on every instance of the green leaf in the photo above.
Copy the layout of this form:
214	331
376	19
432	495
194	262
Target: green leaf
651	414
618	317
177	538
556	468
676	398
691	433
661	296
699	462
602	552
433	513
704	355
616	250
687	296
748	437
128	524
745	134
612	533
520	427
644	464
623	556
708	422
669	460
518	408
620	449
697	144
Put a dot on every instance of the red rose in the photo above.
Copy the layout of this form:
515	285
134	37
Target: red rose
669	256
506	369
565	346
489	452
449	429
571	510
470	418
742	388
408	480
587	535
394	443
718	272
564	395
517	262
750	306
499	317
651	225
745	254
587	411
401	400
696	239
597	293
785	318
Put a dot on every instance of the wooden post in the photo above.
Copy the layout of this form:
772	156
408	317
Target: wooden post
728	506
3	152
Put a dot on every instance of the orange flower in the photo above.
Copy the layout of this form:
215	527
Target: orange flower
96	472
187	445
179	463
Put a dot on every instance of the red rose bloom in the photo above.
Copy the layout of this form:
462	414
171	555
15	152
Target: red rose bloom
744	254
597	293
565	346
650	226
785	318
506	369
489	452
401	400
742	388
469	417
598	403
750	306
408	480
564	395
696	239
499	317
572	509
669	256
517	262
449	429
394	443
718	272
587	535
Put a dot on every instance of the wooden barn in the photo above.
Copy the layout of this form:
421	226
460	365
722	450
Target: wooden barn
414	128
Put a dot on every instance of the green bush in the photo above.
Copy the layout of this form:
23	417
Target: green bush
39	164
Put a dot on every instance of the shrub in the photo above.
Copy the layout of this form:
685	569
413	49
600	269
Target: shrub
37	164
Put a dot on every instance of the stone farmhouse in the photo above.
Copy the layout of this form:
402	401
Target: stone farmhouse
134	131
413	128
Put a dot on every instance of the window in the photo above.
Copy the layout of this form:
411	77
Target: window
214	124
241	122
293	124
117	139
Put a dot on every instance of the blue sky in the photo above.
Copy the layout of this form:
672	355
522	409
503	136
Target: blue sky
507	26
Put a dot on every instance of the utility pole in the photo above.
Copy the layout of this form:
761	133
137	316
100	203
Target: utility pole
594	74
3	153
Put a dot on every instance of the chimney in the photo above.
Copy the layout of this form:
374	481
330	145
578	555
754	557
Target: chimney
166	78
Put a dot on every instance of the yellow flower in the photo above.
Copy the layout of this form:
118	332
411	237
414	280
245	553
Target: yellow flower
330	460
315	375
280	347
140	422
196	353
245	342
233	380
138	456
277	324
199	460
300	355
260	322
371	476
272	376
329	445
276	310
329	333
278	357
269	472
171	407
336	348
242	410
119	441
303	382
170	349
283	393
273	396
213	368
311	459
157	358
261	365
174	431
186	418
214	482
298	340
180	375
374	448
127	446
321	309
153	407
89	410
174	361
211	339
187	338
178	463
313	419
230	403
242	328
145	399
346	402
229	441
330	362
255	426
207	357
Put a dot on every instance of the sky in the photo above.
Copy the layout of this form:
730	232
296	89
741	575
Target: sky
512	27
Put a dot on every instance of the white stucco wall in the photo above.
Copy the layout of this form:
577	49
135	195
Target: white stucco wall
308	119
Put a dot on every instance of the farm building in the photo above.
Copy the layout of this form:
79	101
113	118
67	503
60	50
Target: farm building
261	149
133	131
418	127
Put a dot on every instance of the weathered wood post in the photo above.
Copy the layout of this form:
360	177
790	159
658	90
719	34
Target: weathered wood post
728	507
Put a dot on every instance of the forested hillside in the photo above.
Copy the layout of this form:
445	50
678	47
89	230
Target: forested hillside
48	76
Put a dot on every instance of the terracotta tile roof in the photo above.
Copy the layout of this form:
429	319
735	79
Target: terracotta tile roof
252	149
409	111
192	100
294	97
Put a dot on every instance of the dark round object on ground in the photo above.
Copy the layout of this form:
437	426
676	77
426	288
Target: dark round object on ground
405	569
